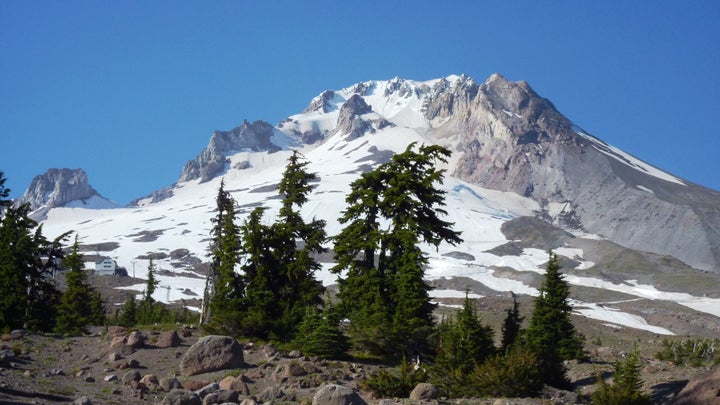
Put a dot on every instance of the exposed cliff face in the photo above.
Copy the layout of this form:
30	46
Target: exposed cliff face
511	139
59	188
256	137
353	122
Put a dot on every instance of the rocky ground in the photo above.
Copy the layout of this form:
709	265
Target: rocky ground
115	366
106	365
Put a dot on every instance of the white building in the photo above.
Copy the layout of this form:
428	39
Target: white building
105	266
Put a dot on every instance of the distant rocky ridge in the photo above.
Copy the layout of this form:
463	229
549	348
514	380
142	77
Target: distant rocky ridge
256	136
60	188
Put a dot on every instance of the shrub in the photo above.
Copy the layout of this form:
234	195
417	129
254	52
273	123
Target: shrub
691	352
515	375
388	384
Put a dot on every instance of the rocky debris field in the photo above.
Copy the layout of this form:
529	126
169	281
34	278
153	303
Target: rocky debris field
120	366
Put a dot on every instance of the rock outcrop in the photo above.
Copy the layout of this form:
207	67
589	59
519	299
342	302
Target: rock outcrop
704	389
60	188
256	137
351	121
508	138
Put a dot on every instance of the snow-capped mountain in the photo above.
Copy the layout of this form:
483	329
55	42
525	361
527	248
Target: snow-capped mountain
621	224
62	188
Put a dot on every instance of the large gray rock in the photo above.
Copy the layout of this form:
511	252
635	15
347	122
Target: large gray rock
212	353
424	392
181	397
333	394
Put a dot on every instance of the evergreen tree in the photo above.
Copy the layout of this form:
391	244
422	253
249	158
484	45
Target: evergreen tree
383	290
28	262
128	315
75	311
551	335
319	335
224	287
297	242
4	193
626	388
462	345
147	312
511	327
260	270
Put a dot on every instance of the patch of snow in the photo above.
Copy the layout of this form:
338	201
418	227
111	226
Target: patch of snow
646	189
628	159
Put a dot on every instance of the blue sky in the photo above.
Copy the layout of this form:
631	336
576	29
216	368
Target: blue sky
131	90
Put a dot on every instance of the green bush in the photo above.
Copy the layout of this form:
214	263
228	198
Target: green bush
690	352
515	375
626	388
394	384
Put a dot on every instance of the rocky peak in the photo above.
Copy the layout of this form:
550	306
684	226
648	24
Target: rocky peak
351	122
321	103
255	137
445	98
56	188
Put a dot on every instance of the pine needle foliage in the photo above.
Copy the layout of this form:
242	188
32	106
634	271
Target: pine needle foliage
626	388
80	305
550	334
390	210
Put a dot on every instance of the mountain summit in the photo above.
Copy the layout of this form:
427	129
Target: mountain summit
61	188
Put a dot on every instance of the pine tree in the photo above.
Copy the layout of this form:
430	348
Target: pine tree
511	327
626	388
462	345
319	334
260	270
76	310
225	289
147	312
28	262
128	315
383	290
297	242
551	335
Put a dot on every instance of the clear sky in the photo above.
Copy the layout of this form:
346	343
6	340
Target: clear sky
131	90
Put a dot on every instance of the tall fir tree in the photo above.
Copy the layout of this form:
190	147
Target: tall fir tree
383	292
511	327
79	305
297	242
550	334
225	289
28	262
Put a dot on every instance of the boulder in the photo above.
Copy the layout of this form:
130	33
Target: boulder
235	384
181	397
333	394
151	381
212	353
221	397
131	376
208	389
168	339
703	389
424	392
136	340
169	383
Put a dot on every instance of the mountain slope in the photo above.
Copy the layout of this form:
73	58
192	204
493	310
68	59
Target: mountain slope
514	156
